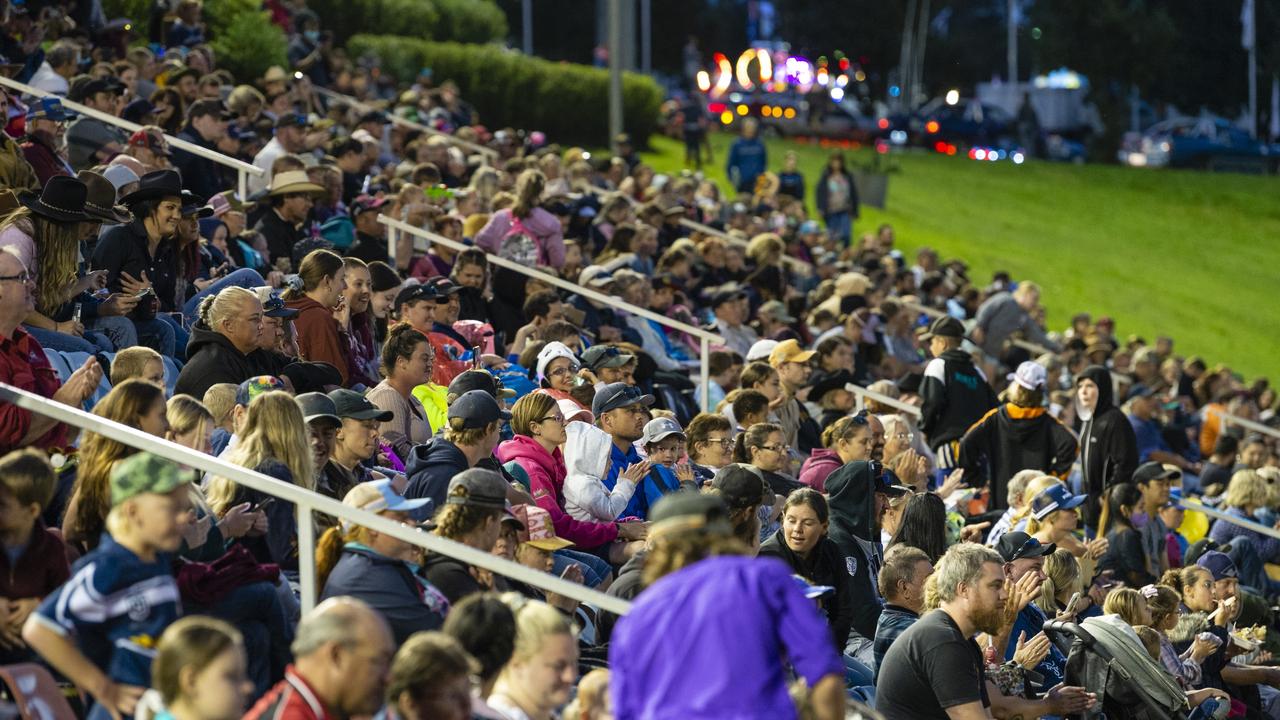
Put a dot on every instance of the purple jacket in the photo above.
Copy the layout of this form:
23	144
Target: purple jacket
542	225
739	655
546	473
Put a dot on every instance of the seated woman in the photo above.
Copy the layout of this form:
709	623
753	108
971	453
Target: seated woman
542	670
761	446
136	403
45	235
802	543
316	294
273	441
1121	520
406	364
430	679
848	439
1247	493
380	569
141	259
710	444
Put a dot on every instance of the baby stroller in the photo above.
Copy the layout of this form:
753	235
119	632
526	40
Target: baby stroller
1107	661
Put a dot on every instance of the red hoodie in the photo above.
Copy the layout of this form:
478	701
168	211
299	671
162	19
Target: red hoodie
818	466
319	337
546	473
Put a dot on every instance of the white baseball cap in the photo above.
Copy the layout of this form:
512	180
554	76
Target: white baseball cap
1030	375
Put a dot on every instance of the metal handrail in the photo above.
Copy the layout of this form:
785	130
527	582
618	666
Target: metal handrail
242	168
923	309
704	338
489	153
863	394
1228	418
1220	515
305	501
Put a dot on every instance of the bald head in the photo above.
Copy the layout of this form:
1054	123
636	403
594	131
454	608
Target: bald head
336	621
343	649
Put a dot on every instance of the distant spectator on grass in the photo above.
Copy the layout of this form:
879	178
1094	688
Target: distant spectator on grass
748	157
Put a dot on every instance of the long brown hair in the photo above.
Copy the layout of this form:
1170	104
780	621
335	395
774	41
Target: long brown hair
90	500
57	245
529	187
313	270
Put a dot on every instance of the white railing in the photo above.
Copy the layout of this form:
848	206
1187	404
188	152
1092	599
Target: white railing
1227	517
488	153
242	168
1229	419
923	309
306	502
705	339
863	394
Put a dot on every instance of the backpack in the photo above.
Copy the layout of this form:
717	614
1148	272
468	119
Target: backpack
519	246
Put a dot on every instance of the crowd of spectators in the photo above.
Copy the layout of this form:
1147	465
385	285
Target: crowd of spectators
788	551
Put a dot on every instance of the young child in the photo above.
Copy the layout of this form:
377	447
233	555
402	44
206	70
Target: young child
34	563
587	456
100	629
664	445
140	362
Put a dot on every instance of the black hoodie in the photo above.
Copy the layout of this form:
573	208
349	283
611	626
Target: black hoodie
1012	438
955	396
856	533
212	359
1108	446
824	566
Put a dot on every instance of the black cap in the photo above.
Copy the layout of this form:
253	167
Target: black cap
827	382
201	108
1153	470
351	404
318	406
476	409
1017	545
689	510
597	357
274	307
293	119
312	376
740	486
726	294
84	87
887	482
485	488
465	382
618	395
193	204
443	286
945	326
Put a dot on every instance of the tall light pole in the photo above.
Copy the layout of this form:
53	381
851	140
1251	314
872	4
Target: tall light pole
1012	48
646	36
615	67
906	58
1248	38
526	21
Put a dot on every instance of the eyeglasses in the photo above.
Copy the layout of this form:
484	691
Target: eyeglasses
556	418
776	448
903	436
566	370
22	277
722	442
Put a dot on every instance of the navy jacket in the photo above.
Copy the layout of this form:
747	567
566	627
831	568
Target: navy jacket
429	468
406	602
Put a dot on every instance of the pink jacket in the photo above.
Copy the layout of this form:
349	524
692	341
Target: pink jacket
544	227
546	473
818	466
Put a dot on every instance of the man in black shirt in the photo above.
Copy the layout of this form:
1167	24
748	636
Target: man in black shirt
291	195
935	670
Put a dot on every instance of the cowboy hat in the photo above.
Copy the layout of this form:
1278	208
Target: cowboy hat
100	200
293	181
155	185
61	201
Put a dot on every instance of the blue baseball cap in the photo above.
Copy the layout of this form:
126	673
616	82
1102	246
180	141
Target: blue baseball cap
618	395
379	496
1219	565
1055	497
49	109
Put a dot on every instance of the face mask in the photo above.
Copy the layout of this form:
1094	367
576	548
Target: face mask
1139	519
312	35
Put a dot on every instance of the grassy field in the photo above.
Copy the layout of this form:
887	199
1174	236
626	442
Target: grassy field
1191	255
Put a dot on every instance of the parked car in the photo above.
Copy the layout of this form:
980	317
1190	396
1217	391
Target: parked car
966	123
1206	143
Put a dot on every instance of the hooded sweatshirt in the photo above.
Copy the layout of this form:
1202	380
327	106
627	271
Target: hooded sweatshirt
824	566
212	359
586	455
430	467
1012	438
955	396
818	467
1108	446
546	472
319	337
851	497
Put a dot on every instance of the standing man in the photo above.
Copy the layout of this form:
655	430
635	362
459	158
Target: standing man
798	428
1108	445
955	392
1006	313
206	125
747	158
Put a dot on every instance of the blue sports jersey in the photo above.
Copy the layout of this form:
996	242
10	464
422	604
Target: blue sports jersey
114	607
